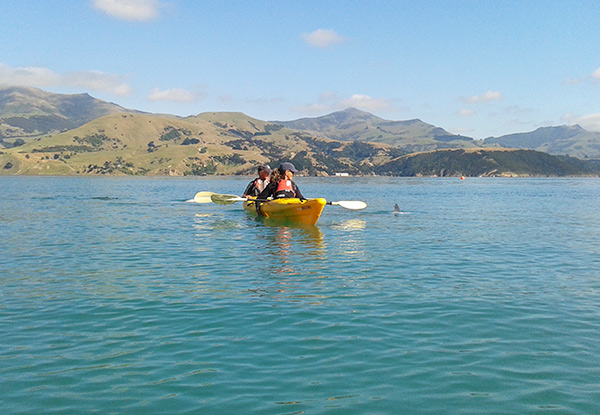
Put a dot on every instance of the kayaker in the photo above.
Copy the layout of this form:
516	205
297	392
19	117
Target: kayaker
260	183
281	183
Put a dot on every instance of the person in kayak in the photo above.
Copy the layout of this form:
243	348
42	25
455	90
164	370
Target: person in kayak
281	185
260	183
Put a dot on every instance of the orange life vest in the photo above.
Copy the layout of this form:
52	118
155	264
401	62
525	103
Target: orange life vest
285	188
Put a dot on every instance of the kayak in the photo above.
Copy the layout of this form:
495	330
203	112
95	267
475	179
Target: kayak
289	209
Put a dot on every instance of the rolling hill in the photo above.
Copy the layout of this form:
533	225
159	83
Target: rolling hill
568	140
354	125
210	143
486	162
31	112
97	137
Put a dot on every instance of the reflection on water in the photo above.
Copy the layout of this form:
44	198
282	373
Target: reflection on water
291	246
238	254
352	233
351	224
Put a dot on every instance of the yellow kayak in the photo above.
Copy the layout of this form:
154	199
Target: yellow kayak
289	209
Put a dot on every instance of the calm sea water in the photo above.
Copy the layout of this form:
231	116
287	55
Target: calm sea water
118	297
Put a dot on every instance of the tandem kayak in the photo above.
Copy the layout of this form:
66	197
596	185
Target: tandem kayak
289	209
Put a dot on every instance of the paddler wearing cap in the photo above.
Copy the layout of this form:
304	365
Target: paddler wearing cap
260	183
281	183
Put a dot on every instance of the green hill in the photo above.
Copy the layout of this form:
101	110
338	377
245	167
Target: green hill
97	137
487	162
210	143
568	140
31	112
355	125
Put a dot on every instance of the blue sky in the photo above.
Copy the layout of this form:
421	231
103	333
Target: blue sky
478	68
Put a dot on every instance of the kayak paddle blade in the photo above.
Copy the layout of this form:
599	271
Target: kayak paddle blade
203	197
225	199
351	204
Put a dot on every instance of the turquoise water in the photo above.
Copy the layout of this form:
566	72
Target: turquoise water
118	297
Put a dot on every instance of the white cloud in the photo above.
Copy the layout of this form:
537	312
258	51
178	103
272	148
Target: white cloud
44	77
365	102
330	101
176	94
465	112
28	76
322	38
97	81
585	80
131	10
487	96
590	122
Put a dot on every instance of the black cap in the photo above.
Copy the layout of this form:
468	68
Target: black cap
287	166
264	167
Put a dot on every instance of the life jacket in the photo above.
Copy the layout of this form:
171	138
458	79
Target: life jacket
261	184
285	188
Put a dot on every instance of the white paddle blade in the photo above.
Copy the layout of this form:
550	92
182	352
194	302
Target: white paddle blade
351	204
203	197
225	199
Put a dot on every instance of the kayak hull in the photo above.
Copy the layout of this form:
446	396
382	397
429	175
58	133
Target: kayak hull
289	209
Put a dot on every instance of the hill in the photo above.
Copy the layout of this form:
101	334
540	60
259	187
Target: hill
210	143
355	125
31	112
487	162
119	141
567	140
233	143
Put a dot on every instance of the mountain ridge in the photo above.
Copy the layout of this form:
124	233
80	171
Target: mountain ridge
559	140
30	112
131	142
353	124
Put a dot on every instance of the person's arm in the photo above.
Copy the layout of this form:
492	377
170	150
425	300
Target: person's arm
269	190
249	192
297	191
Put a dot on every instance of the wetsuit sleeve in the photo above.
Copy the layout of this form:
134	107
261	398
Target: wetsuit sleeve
298	192
249	189
269	190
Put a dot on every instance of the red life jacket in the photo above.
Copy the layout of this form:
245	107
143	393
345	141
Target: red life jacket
285	188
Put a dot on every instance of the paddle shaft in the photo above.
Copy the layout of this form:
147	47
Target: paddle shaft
222	199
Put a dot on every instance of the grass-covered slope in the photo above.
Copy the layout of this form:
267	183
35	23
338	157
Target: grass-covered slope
210	143
30	112
486	162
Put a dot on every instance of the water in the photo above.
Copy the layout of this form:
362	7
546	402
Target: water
117	297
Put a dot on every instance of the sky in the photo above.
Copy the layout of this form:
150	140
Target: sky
477	68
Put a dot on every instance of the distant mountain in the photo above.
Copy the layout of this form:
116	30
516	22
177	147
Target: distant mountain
487	162
354	125
233	143
127	142
207	144
28	112
562	140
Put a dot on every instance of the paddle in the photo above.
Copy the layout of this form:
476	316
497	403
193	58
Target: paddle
350	204
203	197
219	199
230	199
